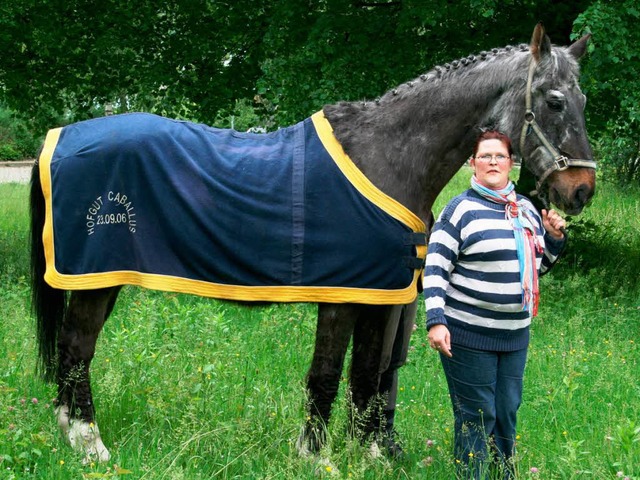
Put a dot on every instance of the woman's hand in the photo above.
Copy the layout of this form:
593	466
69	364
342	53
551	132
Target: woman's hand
440	339
553	223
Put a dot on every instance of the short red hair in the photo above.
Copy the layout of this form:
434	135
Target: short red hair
493	135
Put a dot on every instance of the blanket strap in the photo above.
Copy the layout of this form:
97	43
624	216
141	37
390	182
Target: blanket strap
415	238
413	263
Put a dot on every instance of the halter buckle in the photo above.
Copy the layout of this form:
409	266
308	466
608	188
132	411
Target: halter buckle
562	163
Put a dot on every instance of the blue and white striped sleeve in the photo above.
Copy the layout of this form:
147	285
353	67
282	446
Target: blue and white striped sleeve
444	246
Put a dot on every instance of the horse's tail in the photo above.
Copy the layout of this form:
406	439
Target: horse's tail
48	303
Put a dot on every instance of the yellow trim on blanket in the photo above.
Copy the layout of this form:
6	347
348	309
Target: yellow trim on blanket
237	292
50	143
357	178
232	292
362	183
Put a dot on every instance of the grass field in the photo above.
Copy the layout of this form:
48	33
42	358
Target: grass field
193	388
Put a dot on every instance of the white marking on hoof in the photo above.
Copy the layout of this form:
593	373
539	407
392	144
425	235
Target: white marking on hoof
374	450
302	445
85	437
322	466
82	436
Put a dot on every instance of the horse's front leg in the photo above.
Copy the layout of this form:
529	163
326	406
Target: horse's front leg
333	333
86	314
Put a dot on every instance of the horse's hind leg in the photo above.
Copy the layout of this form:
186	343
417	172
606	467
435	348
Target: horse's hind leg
86	314
371	356
333	333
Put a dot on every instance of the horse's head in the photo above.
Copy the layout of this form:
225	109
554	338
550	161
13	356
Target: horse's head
553	141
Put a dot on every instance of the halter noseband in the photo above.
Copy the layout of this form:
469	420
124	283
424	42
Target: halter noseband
560	162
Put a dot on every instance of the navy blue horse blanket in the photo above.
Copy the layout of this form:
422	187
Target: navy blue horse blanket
286	216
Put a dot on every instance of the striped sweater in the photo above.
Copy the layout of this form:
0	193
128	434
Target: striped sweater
472	279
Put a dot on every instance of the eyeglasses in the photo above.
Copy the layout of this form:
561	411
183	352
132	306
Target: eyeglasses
487	158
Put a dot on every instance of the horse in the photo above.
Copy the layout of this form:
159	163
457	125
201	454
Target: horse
408	143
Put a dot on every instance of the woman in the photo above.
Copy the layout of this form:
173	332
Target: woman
481	290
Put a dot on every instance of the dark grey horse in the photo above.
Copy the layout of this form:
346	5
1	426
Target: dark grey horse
409	144
412	141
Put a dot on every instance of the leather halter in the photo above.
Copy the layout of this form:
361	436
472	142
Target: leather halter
560	162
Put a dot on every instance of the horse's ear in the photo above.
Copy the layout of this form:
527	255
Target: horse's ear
540	42
579	47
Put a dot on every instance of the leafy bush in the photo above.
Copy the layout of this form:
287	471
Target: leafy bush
618	152
8	151
17	142
610	78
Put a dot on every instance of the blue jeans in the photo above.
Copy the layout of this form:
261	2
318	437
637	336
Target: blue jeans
486	392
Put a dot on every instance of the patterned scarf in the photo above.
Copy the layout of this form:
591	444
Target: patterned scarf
527	244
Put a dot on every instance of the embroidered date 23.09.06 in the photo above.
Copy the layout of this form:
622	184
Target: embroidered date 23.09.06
99	214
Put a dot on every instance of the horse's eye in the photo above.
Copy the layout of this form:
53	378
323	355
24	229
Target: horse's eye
555	105
555	100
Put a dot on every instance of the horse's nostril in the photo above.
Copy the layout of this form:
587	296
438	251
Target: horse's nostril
583	194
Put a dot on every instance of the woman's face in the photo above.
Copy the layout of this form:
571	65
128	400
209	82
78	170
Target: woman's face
492	164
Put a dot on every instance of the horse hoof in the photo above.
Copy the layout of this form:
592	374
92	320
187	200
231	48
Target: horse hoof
85	437
82	436
98	452
375	451
310	441
302	445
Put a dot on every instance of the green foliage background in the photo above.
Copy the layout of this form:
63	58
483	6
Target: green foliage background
611	81
208	60
17	142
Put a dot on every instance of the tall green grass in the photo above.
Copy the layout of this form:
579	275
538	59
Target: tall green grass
194	388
